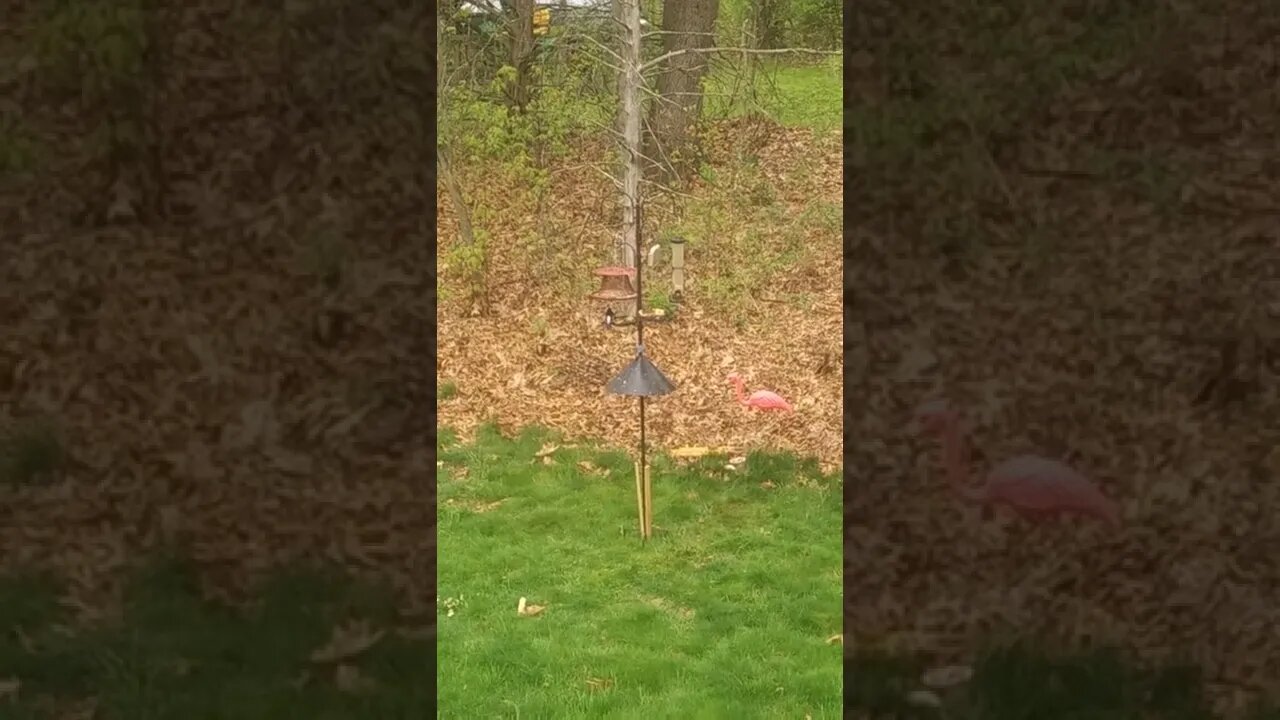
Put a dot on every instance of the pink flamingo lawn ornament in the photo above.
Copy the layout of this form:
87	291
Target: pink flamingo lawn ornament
760	399
1034	486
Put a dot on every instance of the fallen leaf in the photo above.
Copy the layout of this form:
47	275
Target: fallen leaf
348	679
767	485
546	450
947	676
124	200
598	684
416	633
587	466
690	452
347	641
289	462
924	698
257	424
528	609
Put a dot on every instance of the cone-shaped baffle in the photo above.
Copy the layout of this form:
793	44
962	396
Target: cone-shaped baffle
640	377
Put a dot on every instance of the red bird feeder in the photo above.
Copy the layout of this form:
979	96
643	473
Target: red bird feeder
617	293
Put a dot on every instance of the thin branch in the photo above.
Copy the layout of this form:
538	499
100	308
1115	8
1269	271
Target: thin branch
745	51
607	49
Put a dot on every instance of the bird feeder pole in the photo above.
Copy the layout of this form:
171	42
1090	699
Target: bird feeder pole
640	378
647	512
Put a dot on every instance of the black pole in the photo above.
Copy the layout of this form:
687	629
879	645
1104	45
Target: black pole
639	283
644	472
639	349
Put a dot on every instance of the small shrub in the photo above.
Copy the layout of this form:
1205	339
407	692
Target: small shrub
31	452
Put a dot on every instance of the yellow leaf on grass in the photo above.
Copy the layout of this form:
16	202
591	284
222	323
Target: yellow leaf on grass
527	609
597	684
691	452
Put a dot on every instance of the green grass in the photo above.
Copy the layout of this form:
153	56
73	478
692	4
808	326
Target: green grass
808	94
176	656
1018	682
725	613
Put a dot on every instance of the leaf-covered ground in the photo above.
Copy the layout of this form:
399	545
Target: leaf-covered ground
214	295
763	295
1065	221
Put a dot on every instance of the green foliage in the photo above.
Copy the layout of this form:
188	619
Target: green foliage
94	46
328	256
482	129
815	23
659	299
95	52
470	263
792	94
448	390
754	240
804	23
19	151
174	655
32	451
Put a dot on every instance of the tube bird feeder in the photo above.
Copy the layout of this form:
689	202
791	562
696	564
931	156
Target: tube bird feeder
677	268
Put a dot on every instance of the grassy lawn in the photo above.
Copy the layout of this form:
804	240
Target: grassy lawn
725	613
808	94
176	656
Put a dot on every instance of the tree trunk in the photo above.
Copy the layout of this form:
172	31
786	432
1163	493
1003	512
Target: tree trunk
687	25
629	88
522	53
768	23
465	234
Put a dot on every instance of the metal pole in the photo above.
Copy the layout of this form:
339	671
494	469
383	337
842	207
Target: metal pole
644	470
639	270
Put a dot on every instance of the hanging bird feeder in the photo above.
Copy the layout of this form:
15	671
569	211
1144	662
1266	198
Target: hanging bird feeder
641	379
677	269
617	297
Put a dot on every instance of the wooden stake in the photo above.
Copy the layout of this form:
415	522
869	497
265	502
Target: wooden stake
640	504
648	504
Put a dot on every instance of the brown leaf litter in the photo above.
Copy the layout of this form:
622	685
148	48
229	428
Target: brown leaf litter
180	357
1097	347
546	359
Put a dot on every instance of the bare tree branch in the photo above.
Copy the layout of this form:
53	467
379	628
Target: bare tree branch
745	51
